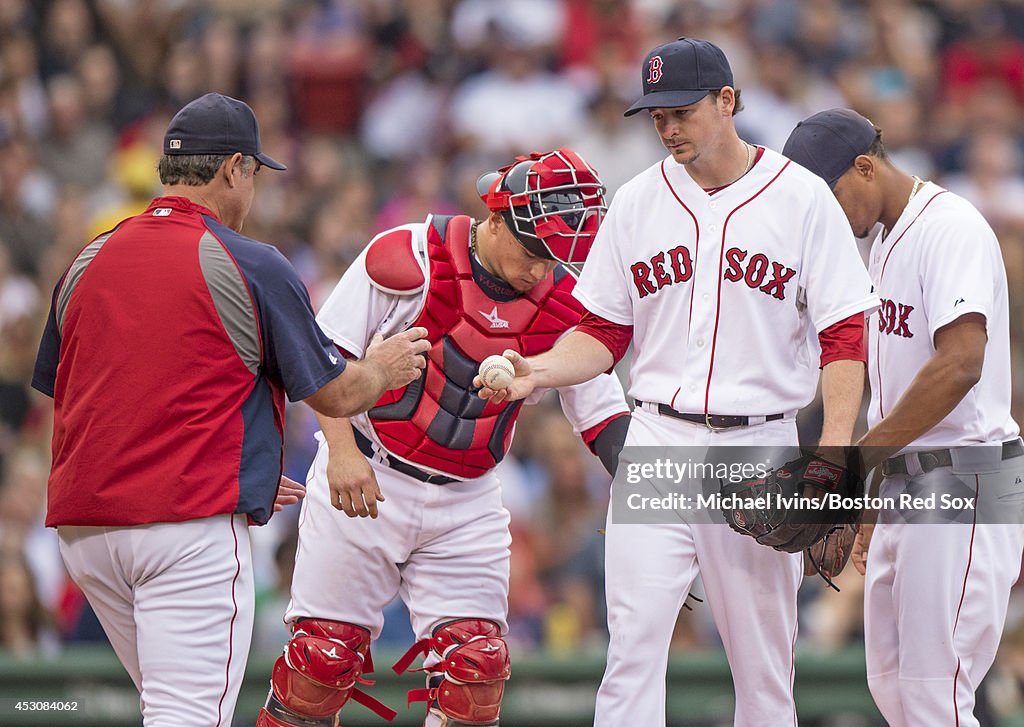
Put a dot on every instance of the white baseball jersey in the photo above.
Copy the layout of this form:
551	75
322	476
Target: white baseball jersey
940	261
357	309
726	292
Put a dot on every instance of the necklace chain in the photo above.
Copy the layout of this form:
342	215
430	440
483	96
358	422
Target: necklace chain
749	163
472	240
918	183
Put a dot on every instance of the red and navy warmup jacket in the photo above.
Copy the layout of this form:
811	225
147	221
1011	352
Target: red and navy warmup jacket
170	345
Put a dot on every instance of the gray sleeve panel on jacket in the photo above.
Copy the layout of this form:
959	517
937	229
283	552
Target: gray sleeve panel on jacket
232	300
75	274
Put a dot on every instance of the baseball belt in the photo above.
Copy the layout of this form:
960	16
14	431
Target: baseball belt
713	421
936	458
367	448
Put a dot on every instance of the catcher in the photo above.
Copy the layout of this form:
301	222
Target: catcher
810	504
441	540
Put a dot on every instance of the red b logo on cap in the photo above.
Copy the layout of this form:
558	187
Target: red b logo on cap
655	70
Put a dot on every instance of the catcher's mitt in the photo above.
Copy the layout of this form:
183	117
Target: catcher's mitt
789	510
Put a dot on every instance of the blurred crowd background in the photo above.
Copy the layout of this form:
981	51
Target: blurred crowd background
386	110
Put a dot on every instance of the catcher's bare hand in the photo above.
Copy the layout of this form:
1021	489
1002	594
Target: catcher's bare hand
399	357
288	493
860	548
353	485
521	386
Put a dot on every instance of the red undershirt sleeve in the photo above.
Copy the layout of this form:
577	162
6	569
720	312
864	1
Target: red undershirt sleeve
843	341
614	336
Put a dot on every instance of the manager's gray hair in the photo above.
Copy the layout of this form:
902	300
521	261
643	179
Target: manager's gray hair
195	170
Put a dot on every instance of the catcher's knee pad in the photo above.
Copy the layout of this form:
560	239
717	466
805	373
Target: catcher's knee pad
317	675
466	686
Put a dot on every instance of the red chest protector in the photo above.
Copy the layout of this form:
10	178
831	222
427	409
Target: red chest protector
438	421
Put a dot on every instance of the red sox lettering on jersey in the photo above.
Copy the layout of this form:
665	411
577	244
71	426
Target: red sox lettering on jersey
761	264
676	266
894	318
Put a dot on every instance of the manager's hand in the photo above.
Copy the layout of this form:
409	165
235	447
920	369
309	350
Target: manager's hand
400	356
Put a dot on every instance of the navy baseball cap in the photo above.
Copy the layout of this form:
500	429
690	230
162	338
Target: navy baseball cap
216	124
828	142
681	73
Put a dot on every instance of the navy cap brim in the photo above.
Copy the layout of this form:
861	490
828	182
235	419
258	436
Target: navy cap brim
666	100
268	162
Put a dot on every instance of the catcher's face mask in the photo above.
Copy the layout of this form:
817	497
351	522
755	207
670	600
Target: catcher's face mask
553	203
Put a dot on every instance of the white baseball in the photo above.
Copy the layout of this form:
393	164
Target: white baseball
496	372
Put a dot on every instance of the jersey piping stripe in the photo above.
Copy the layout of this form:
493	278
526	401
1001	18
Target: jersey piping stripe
231	299
963	593
75	273
916	218
792	658
878	333
231	627
696	248
878	369
696	241
721	260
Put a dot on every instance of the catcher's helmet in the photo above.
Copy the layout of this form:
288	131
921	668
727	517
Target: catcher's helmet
553	203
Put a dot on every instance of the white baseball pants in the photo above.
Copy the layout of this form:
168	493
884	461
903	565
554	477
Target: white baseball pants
176	601
443	548
935	600
750	589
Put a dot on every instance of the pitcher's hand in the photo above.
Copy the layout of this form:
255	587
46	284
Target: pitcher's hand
521	386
